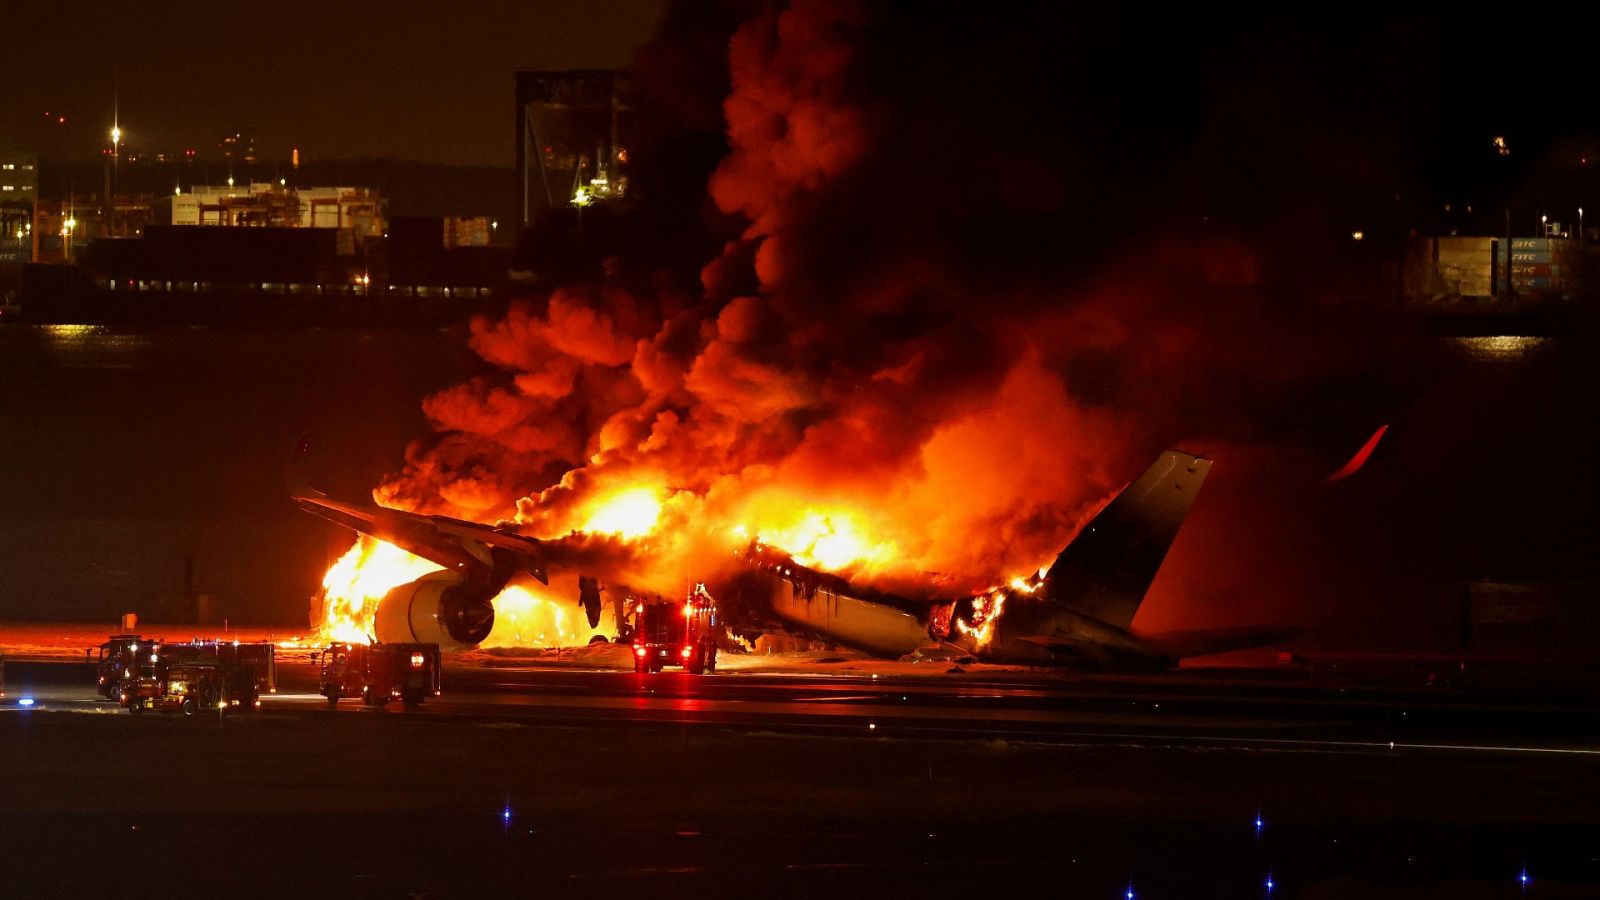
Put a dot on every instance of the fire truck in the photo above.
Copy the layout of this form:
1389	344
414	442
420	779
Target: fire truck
122	656
378	673
260	656
192	687
675	634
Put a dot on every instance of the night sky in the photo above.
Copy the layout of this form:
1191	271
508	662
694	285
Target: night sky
413	80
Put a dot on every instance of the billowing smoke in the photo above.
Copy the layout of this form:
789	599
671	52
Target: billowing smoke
934	341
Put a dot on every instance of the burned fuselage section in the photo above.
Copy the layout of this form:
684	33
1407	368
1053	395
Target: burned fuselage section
771	592
1076	613
1013	624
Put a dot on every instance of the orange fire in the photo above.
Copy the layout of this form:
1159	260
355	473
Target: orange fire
630	513
525	615
832	538
358	580
985	610
533	615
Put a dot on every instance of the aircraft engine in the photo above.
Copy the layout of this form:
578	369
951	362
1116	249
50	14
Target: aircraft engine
435	609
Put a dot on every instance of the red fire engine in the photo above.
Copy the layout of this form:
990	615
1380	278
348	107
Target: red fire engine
675	634
121	659
126	656
260	656
191	687
378	673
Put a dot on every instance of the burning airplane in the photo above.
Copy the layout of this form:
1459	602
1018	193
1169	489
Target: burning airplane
1077	611
859	373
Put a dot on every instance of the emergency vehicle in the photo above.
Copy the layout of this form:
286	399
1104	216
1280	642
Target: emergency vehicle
378	673
675	634
121	657
260	656
192	687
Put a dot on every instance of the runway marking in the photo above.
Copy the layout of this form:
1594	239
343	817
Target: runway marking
1330	744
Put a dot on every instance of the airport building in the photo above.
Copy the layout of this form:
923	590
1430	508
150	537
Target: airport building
1464	271
19	200
360	210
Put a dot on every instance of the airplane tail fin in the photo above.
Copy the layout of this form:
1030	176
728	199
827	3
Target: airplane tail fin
295	480
1107	568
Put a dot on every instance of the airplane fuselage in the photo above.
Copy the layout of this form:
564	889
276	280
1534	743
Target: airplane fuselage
1032	630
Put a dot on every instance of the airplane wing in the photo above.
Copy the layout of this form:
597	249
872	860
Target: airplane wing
452	543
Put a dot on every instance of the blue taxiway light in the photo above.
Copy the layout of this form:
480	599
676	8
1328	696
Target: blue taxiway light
25	701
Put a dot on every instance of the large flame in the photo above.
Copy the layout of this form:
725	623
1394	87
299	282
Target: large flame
833	540
526	615
523	619
357	582
629	513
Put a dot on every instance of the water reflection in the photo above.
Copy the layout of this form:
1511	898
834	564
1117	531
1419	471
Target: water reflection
89	346
1499	348
69	331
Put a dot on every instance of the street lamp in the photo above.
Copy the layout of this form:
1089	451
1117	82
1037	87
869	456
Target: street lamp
581	198
111	186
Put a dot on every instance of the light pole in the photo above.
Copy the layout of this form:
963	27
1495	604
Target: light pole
581	198
1580	226
111	190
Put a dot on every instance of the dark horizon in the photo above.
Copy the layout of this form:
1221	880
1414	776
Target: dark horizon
417	81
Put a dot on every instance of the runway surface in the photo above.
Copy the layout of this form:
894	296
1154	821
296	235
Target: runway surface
1176	709
529	779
